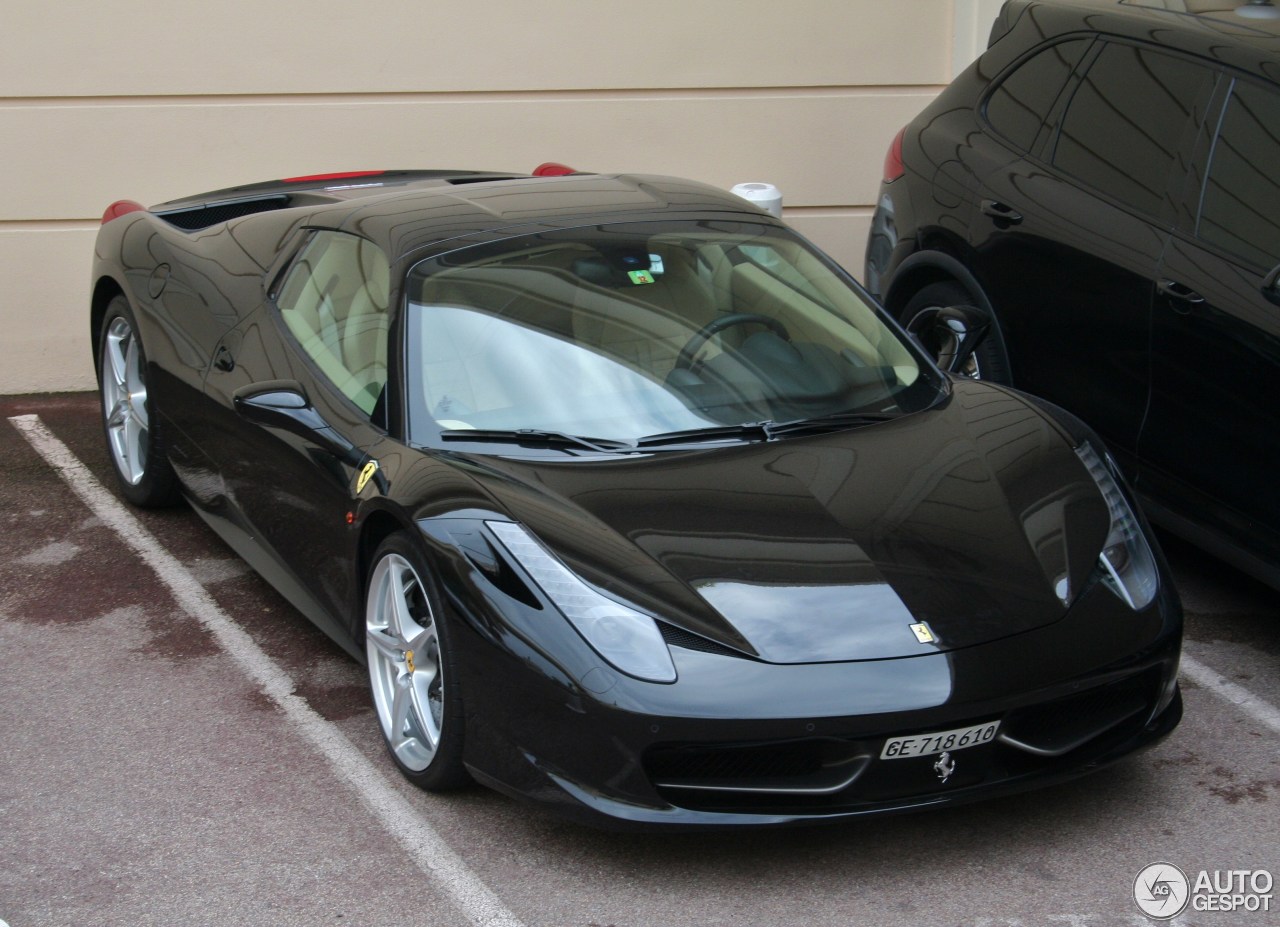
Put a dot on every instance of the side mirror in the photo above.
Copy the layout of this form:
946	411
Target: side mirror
283	404
950	334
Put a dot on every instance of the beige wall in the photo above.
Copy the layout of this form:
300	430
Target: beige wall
130	99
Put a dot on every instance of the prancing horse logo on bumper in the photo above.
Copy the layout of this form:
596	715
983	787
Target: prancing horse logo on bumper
945	766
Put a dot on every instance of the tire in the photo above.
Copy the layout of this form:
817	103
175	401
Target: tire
413	675
129	419
988	362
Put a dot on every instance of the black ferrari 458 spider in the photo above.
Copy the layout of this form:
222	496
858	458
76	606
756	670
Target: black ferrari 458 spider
633	502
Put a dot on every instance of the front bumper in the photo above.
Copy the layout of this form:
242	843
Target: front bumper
997	773
740	743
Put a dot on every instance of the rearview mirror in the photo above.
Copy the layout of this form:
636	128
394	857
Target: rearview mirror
950	334
283	404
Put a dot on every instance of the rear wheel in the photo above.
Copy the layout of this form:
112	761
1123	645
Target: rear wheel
129	416
412	669
941	337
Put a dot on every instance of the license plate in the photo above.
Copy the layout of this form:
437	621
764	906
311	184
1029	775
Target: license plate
901	748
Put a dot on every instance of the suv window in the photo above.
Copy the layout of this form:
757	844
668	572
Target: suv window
1020	104
334	301
1241	208
1122	128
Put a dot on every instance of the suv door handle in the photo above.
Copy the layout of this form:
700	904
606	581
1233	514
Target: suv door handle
1179	291
1001	212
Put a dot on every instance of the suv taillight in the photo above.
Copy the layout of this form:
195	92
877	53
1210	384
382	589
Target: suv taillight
893	167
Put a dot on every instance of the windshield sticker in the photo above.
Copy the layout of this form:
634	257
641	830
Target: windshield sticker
639	277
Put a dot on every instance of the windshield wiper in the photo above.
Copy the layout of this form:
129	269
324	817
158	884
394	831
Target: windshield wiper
765	431
756	430
748	431
534	436
832	422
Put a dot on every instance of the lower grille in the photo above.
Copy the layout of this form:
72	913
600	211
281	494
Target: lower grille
831	775
1058	727
810	767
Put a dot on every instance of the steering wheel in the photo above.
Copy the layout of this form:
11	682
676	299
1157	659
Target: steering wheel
691	347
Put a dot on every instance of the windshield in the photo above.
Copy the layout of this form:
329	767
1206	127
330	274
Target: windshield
623	332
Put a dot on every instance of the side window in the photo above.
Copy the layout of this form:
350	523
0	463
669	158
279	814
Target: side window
334	301
1020	104
1123	127
1241	208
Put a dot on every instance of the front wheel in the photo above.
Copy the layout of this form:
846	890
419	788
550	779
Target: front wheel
412	668
941	337
129	416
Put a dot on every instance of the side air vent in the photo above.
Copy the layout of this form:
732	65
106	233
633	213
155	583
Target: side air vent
202	217
679	637
483	178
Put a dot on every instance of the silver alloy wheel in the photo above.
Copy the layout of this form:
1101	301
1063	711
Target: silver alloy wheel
405	670
124	400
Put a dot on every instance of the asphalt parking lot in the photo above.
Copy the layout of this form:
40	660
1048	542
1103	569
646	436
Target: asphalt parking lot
180	747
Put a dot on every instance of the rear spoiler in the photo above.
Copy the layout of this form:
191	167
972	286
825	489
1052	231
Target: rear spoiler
206	209
320	182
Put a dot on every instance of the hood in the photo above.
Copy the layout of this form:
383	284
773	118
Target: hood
944	529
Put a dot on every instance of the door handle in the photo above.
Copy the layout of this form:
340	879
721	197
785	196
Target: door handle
223	360
1000	212
1179	292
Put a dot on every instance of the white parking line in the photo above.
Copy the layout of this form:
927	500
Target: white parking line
428	849
1260	710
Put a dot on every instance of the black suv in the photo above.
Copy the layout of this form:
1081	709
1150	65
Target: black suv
1102	189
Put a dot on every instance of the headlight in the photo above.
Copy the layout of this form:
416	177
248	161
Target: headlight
629	640
1128	565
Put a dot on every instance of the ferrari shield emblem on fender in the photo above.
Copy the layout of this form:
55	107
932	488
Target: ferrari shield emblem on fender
945	766
365	475
923	633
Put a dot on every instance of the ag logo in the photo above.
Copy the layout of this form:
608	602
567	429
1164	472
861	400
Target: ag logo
1161	891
